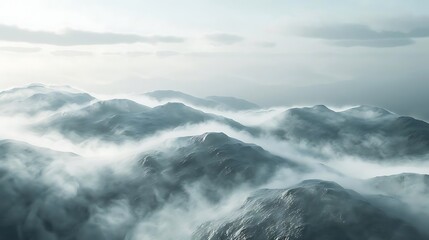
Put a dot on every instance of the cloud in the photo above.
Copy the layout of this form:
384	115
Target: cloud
129	54
379	43
266	44
406	22
72	37
20	49
349	32
113	53
137	53
224	38
351	35
71	53
167	53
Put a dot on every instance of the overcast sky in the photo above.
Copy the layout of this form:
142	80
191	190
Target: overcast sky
272	52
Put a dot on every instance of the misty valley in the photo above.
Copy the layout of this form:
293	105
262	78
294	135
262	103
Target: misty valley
77	165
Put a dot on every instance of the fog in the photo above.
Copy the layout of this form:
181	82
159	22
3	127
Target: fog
164	185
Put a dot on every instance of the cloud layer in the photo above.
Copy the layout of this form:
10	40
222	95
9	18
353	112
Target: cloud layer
224	38
350	35
20	49
72	37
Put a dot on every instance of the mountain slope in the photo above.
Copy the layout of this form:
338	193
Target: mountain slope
233	103
363	131
218	102
313	209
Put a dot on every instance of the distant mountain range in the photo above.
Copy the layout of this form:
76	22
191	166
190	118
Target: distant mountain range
217	102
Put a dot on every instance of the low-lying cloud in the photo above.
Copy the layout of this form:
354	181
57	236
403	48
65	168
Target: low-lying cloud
71	37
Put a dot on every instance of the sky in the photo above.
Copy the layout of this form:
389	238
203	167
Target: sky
272	52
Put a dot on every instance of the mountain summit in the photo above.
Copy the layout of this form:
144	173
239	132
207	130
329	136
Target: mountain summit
217	102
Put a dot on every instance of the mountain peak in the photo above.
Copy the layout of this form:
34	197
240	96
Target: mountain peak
120	104
219	102
321	107
367	111
233	102
320	183
212	138
173	106
35	85
314	110
169	94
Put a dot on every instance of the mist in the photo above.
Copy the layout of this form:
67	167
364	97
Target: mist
171	181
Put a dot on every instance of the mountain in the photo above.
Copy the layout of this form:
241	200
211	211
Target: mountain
118	120
217	102
363	131
211	164
118	188
168	95
313	209
233	103
26	172
36	98
42	200
216	162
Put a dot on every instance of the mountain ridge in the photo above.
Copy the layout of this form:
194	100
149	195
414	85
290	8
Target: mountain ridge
219	102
